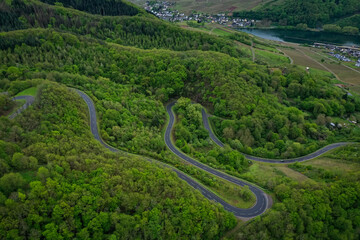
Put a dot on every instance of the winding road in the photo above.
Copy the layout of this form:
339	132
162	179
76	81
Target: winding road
261	203
93	120
261	198
313	155
29	100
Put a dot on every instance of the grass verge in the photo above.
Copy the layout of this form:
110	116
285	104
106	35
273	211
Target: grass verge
28	92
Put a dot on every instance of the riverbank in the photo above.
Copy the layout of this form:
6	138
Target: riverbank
303	37
276	50
293	28
318	60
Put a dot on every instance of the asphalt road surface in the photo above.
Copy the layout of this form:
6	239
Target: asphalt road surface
299	159
259	207
29	100
261	198
93	120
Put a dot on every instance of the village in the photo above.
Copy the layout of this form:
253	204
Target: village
342	53
164	10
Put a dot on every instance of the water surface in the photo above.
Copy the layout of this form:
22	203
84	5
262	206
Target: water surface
309	37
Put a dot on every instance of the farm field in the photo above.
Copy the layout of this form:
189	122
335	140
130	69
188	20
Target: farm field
345	74
210	28
300	59
335	164
316	59
294	175
265	174
273	59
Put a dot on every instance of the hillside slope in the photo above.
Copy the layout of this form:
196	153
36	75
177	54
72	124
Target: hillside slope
142	30
294	107
212	6
65	185
311	12
57	182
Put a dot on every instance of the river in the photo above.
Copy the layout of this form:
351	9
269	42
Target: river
309	37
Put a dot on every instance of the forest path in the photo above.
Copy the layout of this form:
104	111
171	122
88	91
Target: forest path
291	60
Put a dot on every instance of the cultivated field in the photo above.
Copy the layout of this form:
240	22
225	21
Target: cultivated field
294	175
301	59
270	58
335	165
316	59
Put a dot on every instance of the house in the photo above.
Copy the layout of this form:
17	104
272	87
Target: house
340	85
357	64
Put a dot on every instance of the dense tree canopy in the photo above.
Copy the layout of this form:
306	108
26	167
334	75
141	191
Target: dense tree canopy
143	31
57	182
314	13
66	185
192	138
310	211
283	113
103	7
6	104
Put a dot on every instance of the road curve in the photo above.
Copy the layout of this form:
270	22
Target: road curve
95	131
258	159
29	100
261	198
259	208
93	120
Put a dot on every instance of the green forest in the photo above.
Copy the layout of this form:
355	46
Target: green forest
58	182
192	138
260	109
65	185
313	13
